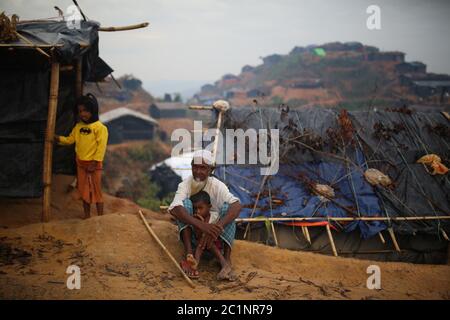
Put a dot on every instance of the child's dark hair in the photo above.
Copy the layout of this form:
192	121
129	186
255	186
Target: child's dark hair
202	196
89	101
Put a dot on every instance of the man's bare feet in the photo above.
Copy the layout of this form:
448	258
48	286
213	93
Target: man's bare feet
226	273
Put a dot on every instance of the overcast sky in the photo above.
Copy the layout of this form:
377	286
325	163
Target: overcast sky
192	42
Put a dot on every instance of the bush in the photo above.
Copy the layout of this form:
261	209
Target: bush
149	198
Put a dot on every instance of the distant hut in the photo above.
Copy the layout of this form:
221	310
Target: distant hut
395	56
258	92
411	67
272	59
247	68
160	110
125	124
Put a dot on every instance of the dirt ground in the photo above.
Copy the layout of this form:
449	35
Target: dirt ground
118	259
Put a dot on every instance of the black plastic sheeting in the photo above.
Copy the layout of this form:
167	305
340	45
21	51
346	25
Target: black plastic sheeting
390	141
24	95
68	44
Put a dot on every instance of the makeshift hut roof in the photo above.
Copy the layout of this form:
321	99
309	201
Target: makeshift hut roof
64	43
335	148
122	112
43	65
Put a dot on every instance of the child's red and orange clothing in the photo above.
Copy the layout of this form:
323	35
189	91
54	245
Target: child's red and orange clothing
90	147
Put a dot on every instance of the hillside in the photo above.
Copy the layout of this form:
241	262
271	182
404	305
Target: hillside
350	74
130	94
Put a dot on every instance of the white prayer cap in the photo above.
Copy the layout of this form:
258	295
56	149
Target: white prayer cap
221	105
204	155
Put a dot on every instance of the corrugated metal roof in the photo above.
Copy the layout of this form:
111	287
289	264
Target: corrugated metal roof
123	111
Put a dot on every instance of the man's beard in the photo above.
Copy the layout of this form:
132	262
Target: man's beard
197	185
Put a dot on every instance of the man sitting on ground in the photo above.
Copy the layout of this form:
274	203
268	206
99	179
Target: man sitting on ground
223	204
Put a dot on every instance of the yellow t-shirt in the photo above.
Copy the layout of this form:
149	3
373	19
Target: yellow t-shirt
90	140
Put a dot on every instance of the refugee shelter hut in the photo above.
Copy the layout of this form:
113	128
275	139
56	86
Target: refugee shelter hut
159	110
125	124
323	181
43	65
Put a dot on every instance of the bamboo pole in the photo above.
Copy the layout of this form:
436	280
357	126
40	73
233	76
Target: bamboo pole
330	236
216	139
201	107
124	28
153	234
381	238
32	44
247	228
48	145
274	233
344	219
306	234
394	239
444	234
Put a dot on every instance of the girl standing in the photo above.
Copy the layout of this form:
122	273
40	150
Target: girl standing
90	137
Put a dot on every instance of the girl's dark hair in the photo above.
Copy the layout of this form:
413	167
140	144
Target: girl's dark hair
202	196
89	101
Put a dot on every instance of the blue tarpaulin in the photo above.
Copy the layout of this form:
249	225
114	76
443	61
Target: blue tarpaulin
298	201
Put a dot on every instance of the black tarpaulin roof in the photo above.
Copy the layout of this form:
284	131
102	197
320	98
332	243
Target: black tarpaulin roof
68	44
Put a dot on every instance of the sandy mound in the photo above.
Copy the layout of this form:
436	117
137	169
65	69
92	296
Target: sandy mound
119	260
65	205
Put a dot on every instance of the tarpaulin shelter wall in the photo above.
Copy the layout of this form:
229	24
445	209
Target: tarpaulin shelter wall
25	85
312	143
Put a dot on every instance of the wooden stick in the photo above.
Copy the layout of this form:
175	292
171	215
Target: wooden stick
343	219
153	234
247	228
446	114
48	144
274	234
216	139
32	44
306	234
201	107
394	239
330	236
381	238
444	235
124	28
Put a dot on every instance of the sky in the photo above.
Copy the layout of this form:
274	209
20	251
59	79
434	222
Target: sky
193	42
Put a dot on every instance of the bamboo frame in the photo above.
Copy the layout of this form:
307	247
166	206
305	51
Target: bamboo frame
216	139
48	145
444	234
32	44
306	234
167	252
394	239
124	28
247	228
330	236
274	233
381	237
344	219
200	107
